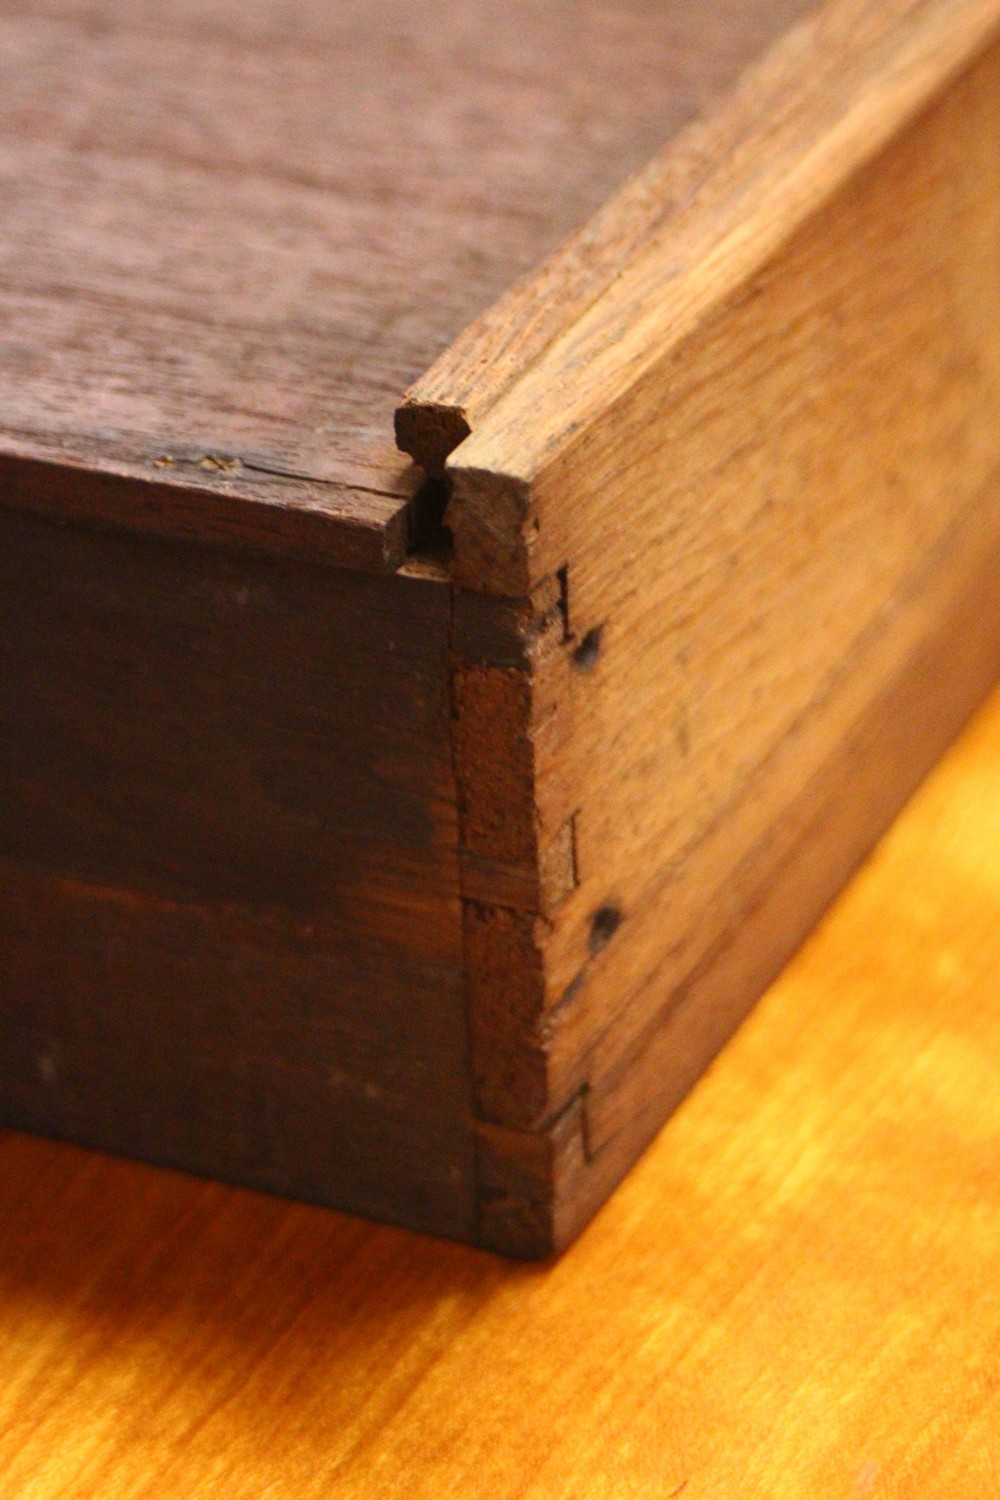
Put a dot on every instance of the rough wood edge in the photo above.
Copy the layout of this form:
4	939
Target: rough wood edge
697	222
377	539
513	874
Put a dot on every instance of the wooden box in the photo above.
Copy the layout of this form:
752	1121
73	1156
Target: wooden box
409	836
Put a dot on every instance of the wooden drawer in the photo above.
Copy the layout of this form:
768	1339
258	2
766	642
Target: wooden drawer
409	835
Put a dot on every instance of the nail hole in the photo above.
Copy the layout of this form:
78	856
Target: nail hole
603	925
589	649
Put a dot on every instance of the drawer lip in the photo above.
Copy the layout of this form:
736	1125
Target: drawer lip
326	524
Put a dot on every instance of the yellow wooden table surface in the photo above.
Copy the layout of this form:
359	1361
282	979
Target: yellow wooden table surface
797	1293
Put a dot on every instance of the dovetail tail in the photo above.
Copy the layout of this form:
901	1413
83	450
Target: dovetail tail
559	871
603	925
586	654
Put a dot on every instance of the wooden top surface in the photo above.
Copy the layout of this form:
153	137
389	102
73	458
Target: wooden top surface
796	1294
232	234
530	384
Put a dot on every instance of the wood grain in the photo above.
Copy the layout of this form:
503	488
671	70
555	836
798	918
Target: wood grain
229	835
788	140
794	1294
696	223
430	894
771	561
228	864
231	238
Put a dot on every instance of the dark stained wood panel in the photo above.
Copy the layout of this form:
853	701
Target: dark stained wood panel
231	235
229	917
215	727
245	1046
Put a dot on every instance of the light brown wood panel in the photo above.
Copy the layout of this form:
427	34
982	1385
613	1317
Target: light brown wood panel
805	501
795	1294
774	544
